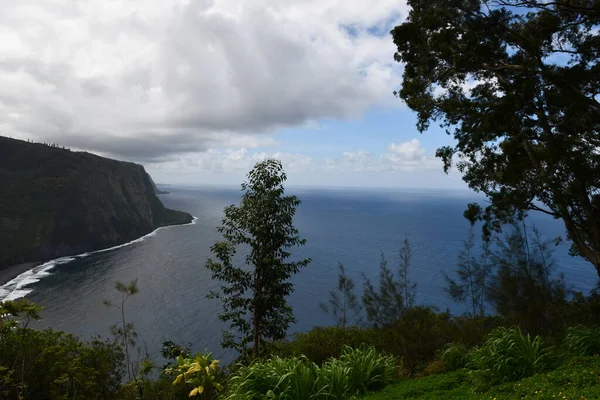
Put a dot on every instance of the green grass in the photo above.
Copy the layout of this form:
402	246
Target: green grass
578	379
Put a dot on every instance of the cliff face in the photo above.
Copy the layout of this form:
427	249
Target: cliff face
54	202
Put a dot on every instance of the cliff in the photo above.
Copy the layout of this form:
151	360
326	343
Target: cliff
55	202
156	190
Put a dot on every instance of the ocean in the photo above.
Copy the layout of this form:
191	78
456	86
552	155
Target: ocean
352	227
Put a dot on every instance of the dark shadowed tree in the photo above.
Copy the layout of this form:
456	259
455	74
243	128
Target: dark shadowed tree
517	83
343	304
469	284
384	305
254	296
523	287
407	287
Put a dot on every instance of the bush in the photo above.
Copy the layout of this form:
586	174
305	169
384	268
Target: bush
508	355
433	368
415	339
368	369
455	356
56	365
418	335
297	378
200	374
583	341
322	343
282	378
335	379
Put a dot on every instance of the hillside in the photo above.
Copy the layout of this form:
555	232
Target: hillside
55	202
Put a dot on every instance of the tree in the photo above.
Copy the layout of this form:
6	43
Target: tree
517	83
343	305
254	297
124	331
408	288
385	306
522	287
471	278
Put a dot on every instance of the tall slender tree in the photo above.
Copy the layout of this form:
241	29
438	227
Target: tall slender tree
343	304
408	288
469	285
522	287
123	330
254	296
385	305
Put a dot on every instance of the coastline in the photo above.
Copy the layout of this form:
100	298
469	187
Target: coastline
7	274
22	275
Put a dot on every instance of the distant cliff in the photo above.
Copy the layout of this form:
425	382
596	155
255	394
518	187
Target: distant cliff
55	202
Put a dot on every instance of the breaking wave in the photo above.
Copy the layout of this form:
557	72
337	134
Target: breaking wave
20	286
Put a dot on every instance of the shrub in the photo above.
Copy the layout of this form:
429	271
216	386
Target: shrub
335	380
418	335
508	355
433	368
455	356
472	331
297	378
415	339
55	365
322	343
368	369
281	378
199	373
583	341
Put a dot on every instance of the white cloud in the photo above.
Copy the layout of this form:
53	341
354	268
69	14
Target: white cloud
146	79
399	167
401	157
408	151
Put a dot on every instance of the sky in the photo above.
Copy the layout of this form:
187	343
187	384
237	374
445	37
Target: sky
198	91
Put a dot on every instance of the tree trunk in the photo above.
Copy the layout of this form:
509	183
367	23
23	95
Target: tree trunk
256	317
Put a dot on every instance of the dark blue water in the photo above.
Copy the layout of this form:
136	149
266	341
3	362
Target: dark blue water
341	226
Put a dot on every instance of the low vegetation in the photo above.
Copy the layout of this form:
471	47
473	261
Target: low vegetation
355	372
576	379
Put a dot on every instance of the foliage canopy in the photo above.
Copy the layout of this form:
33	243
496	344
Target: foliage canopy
517	83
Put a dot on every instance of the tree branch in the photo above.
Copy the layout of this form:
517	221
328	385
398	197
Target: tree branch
533	207
548	6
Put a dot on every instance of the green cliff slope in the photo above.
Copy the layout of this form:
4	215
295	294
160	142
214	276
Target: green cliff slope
55	202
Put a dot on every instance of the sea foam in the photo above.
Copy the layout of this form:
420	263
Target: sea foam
20	286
